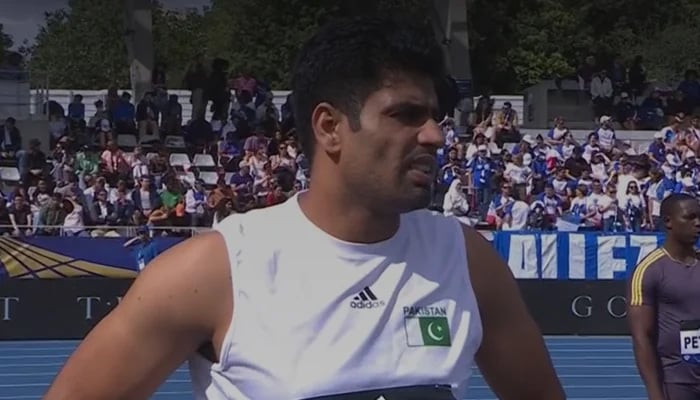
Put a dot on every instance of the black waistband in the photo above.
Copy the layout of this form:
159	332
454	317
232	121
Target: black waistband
420	392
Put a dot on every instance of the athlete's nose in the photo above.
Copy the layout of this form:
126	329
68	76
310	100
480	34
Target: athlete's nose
431	134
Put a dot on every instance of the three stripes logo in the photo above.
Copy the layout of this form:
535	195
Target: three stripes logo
366	299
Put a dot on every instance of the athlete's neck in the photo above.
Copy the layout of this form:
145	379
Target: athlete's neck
334	214
680	251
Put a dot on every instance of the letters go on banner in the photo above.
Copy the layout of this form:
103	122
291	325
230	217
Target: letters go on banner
68	308
575	256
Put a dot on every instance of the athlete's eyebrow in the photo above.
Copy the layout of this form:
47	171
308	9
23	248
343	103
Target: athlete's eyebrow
411	110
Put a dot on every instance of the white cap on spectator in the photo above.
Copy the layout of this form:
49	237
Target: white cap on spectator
527	159
242	164
605	119
527	138
627	142
687	182
553	153
690	154
659	135
672	160
624	95
482	147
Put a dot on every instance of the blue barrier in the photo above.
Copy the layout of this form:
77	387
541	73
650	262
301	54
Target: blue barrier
550	256
62	257
574	256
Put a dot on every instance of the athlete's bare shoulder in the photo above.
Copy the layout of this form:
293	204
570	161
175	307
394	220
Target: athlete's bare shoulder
504	315
181	300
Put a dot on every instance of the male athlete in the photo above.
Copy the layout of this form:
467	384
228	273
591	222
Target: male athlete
350	290
664	306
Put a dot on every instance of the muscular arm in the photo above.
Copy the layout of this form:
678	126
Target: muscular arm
171	309
512	357
641	315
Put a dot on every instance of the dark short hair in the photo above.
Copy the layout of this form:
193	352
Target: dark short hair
670	204
347	60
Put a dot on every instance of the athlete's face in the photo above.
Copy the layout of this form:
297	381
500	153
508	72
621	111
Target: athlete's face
391	158
683	224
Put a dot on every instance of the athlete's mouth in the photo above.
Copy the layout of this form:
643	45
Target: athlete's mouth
425	164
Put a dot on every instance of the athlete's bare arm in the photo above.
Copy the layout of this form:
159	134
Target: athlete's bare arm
641	316
177	303
512	357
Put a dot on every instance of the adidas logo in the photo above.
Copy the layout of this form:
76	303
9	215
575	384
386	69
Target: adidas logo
366	300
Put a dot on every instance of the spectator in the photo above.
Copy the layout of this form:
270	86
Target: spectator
196	82
20	215
145	198
10	140
637	77
626	112
455	202
146	120
172	116
690	87
76	110
124	114
601	93
73	224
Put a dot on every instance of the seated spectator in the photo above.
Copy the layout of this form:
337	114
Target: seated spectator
626	112
456	203
145	197
555	136
51	216
229	153
283	160
500	206
159	217
517	217
242	183
32	164
678	104
104	212
20	216
506	125
124	208
115	163
223	209
275	196
220	193
100	114
196	204
73	224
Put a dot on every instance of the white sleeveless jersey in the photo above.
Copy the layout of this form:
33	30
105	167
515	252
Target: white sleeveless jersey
317	318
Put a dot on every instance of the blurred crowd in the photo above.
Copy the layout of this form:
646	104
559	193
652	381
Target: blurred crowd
131	165
623	91
554	182
136	163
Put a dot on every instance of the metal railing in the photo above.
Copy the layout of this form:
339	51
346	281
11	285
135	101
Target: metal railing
117	230
128	231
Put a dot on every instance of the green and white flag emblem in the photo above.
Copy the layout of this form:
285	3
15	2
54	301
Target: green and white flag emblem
428	331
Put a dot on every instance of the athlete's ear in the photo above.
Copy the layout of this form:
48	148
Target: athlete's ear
325	120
